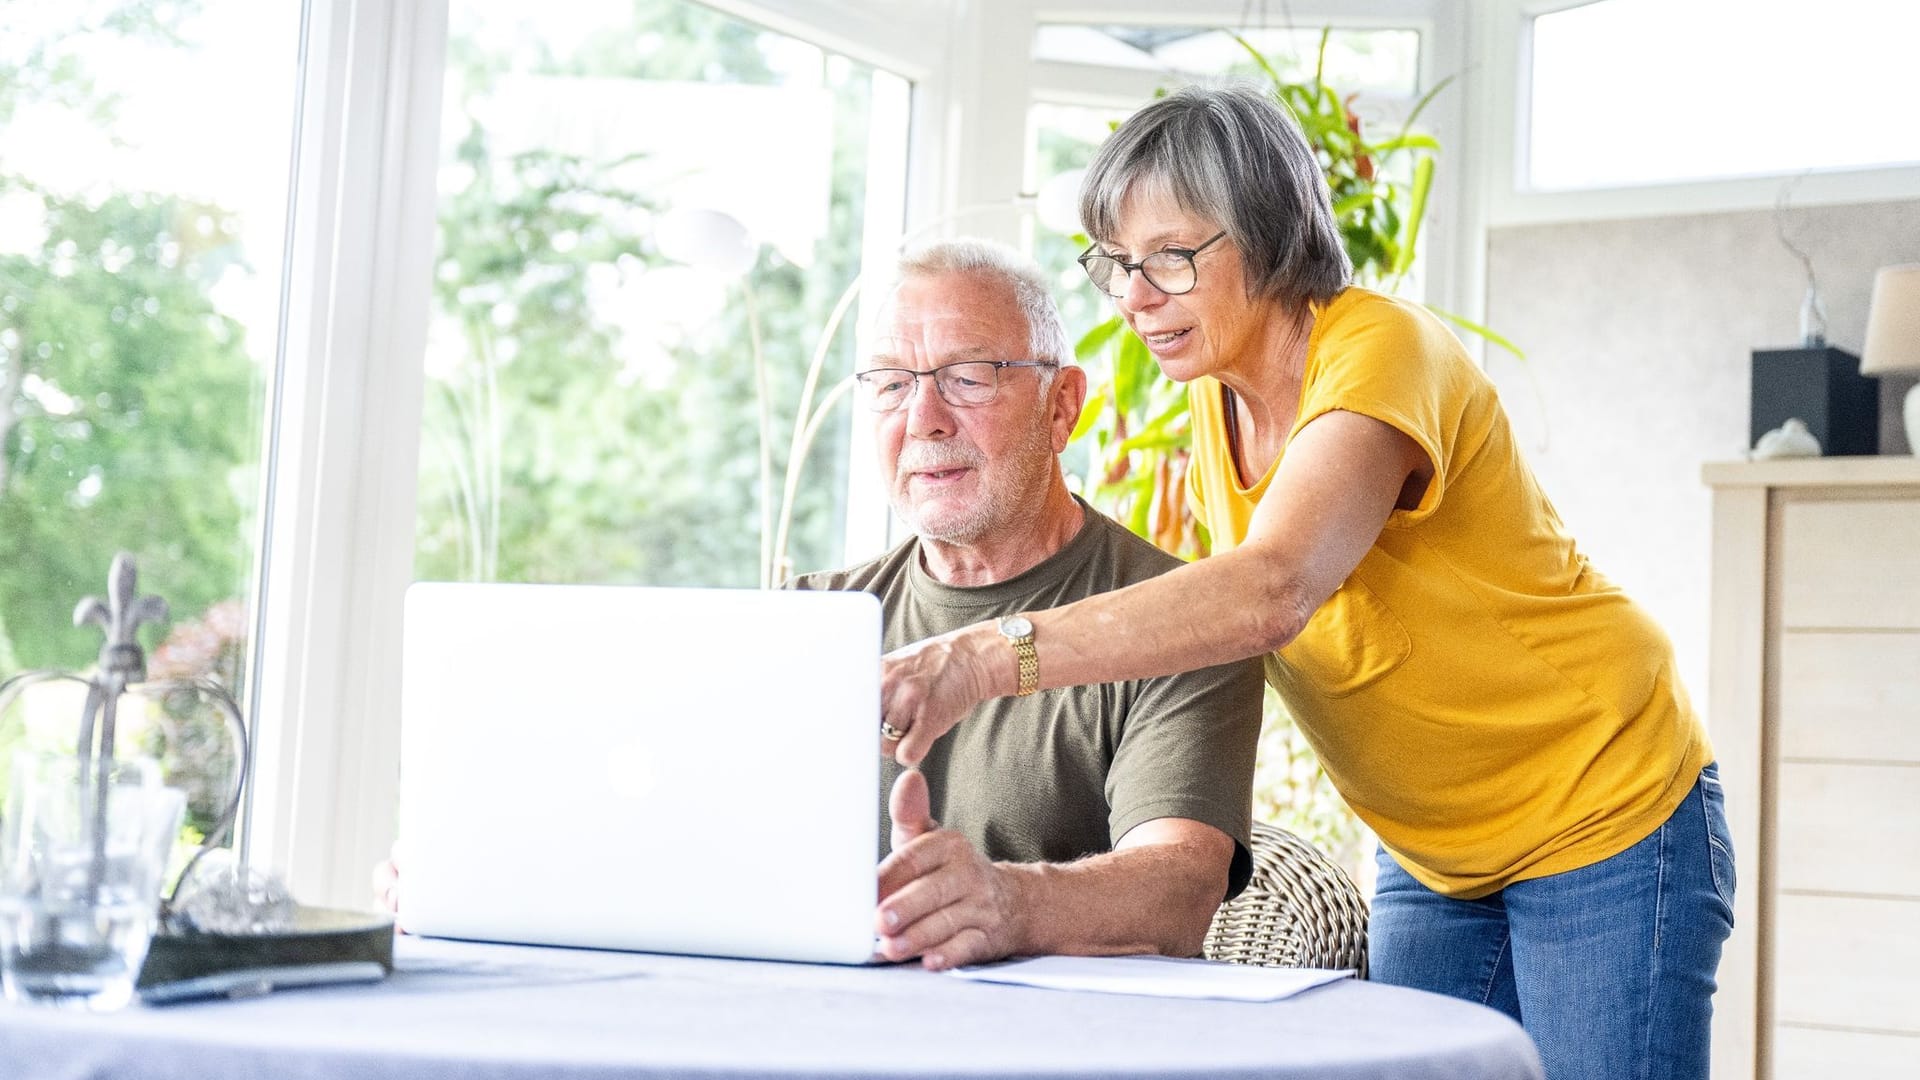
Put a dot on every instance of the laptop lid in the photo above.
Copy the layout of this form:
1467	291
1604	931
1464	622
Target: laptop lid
656	769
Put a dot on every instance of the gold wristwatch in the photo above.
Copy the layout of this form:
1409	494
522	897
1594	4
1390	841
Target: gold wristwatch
1018	630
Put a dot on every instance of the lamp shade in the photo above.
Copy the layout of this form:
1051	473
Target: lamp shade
1893	322
706	239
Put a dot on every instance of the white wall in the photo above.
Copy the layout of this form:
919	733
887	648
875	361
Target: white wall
1638	333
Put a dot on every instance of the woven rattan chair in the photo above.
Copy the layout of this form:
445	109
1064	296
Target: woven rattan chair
1299	910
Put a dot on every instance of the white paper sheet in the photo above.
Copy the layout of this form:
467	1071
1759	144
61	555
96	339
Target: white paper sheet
1153	976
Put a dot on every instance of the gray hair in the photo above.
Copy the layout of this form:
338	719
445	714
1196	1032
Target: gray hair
1233	155
1046	332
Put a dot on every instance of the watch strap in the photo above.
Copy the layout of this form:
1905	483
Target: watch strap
1028	659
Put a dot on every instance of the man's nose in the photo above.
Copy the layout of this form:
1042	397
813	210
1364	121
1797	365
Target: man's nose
928	414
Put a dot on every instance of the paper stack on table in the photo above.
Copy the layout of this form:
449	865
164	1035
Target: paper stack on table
1153	976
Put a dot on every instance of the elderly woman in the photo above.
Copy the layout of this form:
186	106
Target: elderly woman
1508	722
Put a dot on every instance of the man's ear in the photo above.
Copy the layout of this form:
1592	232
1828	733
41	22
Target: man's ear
1069	397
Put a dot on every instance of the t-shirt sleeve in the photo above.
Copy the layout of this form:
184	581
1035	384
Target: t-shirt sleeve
1401	366
1186	751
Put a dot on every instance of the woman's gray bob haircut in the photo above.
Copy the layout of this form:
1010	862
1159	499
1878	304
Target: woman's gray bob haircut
1233	155
1046	333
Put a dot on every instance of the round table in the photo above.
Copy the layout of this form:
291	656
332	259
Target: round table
478	1011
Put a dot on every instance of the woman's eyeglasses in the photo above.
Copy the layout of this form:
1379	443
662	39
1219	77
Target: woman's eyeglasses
1170	269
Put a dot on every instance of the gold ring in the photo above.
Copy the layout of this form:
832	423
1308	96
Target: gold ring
891	733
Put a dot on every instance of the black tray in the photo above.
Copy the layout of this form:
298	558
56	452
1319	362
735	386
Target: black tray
320	936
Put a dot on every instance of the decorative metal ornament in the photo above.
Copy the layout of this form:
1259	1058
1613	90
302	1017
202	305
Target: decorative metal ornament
224	928
122	666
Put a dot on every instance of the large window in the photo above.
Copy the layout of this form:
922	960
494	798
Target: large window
143	198
1630	92
647	214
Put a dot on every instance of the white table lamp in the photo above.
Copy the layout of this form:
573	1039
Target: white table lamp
1893	335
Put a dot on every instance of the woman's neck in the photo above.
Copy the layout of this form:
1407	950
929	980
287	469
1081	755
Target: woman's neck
1263	395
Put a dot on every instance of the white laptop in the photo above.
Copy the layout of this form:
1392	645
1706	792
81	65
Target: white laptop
654	769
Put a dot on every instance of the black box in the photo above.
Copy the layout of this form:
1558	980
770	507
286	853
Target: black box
1822	386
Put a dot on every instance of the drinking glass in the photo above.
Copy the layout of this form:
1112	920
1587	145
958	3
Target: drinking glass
82	854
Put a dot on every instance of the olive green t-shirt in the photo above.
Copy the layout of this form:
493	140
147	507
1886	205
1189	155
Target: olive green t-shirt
1064	773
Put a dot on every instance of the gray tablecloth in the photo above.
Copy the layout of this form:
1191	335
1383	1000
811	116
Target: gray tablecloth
457	1009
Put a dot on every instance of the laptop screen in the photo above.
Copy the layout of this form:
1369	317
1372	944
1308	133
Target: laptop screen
660	769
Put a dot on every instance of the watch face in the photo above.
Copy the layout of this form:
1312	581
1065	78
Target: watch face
1016	626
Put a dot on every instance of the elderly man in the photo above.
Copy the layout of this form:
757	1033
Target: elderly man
1105	819
1088	820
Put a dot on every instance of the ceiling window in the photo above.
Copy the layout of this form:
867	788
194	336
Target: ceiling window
1372	60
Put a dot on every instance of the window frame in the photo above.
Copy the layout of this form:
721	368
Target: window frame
344	446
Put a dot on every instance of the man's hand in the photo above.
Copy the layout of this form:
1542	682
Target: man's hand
940	899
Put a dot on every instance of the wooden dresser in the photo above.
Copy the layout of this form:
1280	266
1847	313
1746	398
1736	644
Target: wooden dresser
1815	715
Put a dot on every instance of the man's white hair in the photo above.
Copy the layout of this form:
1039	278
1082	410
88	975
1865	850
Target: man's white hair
1046	332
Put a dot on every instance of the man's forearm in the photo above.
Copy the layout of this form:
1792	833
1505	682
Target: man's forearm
1155	898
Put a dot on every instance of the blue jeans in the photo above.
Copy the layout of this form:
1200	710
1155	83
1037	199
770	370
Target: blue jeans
1610	968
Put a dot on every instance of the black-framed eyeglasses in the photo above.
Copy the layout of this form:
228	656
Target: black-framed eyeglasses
963	384
1170	269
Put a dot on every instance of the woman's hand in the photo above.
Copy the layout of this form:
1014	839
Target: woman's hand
386	886
929	686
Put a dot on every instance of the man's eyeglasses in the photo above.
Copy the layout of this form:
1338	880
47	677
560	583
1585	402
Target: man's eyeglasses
964	384
1170	269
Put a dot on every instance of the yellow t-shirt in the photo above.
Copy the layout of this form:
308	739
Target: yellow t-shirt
1485	700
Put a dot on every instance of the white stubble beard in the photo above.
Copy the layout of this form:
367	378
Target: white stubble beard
998	508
